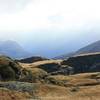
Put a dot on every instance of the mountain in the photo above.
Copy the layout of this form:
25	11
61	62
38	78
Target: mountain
32	59
13	49
65	56
91	48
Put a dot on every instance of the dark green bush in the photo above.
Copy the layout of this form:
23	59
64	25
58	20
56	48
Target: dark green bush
9	69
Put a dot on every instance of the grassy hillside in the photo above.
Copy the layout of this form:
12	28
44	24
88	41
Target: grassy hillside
37	81
82	88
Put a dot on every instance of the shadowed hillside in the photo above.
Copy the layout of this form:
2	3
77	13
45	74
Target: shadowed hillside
91	48
84	63
32	59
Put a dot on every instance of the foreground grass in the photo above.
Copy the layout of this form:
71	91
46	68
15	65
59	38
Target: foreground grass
82	87
85	79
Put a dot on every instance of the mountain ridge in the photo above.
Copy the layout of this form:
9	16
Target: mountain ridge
91	48
13	49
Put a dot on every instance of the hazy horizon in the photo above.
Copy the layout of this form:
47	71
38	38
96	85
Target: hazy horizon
50	27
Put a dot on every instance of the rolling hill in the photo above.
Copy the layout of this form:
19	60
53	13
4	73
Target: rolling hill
18	82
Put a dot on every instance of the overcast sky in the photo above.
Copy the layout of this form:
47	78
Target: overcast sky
29	15
50	25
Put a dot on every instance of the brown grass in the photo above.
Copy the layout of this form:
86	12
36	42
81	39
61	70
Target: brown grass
54	92
24	65
84	86
50	92
6	94
86	79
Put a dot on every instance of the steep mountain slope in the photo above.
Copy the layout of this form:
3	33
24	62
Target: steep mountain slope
91	48
94	47
12	49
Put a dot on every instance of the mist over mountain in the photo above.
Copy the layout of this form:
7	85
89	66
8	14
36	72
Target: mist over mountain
49	50
50	27
13	49
91	48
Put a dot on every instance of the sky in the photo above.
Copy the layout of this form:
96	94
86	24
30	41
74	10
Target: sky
50	27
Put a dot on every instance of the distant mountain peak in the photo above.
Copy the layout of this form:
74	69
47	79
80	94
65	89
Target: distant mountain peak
93	48
13	49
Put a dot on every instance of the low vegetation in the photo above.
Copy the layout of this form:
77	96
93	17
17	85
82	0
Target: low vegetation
84	63
46	80
33	75
86	79
9	69
7	94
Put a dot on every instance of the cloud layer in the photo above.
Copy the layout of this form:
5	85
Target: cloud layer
29	15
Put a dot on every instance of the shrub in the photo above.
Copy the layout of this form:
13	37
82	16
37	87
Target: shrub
9	69
33	75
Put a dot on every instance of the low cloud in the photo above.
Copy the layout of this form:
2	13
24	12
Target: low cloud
29	15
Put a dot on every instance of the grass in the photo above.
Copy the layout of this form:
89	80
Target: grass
59	92
86	79
6	94
37	84
33	75
36	64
